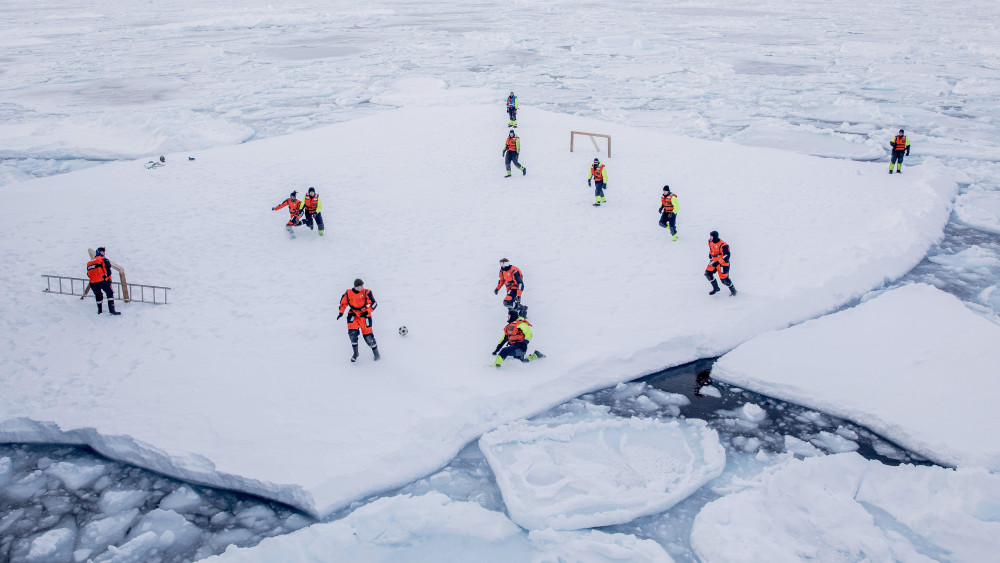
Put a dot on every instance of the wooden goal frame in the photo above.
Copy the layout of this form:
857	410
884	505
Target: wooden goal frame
121	274
573	134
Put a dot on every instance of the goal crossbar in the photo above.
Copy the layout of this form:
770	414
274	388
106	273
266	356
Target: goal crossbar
593	139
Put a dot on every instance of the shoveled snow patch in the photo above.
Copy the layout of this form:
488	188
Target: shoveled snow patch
601	472
845	508
432	527
913	364
203	389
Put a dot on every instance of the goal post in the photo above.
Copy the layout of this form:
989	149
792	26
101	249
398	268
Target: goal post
593	139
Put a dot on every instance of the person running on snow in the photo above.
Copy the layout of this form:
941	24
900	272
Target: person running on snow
294	212
899	145
718	256
511	148
668	211
359	318
312	207
99	272
516	336
510	276
512	106
600	178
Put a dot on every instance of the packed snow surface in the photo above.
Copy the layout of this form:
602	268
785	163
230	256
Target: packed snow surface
845	508
432	527
601	472
244	381
913	364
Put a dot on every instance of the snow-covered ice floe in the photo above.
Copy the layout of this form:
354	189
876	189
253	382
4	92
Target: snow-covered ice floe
432	527
913	364
979	209
243	380
845	508
601	472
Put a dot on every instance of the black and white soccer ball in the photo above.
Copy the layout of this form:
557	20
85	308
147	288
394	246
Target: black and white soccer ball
403	330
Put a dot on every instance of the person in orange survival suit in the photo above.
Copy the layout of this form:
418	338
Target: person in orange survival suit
668	211
359	318
99	272
294	212
510	276
313	208
899	146
516	335
718	255
512	148
600	178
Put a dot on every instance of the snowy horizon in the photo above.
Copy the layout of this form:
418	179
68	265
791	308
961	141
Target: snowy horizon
769	121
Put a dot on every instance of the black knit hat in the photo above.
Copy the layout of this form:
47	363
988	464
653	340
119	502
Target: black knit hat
358	283
666	188
292	194
714	235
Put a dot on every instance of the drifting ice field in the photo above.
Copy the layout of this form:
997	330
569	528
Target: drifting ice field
243	381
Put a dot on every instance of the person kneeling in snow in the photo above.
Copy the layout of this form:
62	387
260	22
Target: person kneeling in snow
516	336
294	212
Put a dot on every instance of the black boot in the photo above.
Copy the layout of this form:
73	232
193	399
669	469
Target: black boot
354	358
732	290
715	288
375	352
111	307
100	307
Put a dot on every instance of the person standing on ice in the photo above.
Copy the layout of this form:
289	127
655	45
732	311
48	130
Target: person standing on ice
512	106
294	211
312	207
511	148
899	145
600	181
359	318
99	272
510	276
668	211
718	256
516	336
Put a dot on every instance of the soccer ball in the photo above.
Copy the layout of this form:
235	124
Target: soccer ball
403	331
